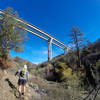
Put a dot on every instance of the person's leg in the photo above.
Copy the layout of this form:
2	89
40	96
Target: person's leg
23	89
24	86
19	88
19	85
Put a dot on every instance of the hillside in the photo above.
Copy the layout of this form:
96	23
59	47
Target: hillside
21	62
37	88
56	80
63	69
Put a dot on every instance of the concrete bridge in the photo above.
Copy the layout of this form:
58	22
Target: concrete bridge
44	35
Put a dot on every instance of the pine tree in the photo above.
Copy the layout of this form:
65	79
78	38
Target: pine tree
11	36
76	41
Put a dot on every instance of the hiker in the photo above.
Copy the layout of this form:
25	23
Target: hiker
23	78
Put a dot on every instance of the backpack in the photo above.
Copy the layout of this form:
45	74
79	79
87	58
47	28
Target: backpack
22	73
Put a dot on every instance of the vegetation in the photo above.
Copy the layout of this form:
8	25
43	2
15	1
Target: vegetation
77	72
76	41
11	36
79	79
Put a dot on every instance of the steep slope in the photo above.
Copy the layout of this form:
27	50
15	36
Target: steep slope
7	84
37	88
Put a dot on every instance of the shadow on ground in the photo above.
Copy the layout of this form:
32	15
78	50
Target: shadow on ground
13	87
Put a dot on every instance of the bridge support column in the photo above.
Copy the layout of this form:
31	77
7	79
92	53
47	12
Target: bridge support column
65	51
50	49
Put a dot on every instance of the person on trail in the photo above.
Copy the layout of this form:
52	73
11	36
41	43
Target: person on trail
23	78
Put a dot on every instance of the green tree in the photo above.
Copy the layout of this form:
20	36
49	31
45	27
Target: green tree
11	36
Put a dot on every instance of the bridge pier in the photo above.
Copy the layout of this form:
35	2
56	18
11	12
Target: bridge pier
65	51
50	49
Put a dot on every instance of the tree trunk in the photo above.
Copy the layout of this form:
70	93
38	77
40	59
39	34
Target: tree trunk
4	59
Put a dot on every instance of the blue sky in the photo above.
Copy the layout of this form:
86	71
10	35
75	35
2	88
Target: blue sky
56	17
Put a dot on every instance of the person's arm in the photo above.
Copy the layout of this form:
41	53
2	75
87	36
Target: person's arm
16	73
27	75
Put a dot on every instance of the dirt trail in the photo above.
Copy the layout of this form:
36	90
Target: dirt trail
7	91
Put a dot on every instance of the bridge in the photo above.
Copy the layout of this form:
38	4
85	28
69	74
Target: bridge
44	35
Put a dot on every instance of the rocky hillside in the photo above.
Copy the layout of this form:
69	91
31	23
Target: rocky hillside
37	88
21	62
64	82
63	69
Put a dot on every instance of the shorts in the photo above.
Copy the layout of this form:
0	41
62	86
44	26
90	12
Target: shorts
22	82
